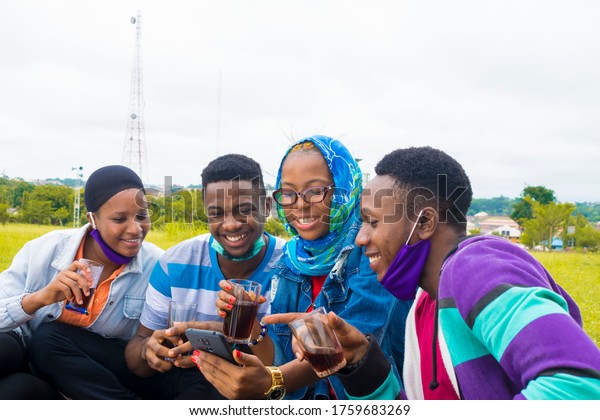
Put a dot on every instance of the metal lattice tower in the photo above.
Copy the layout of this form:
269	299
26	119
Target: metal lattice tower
77	196
134	150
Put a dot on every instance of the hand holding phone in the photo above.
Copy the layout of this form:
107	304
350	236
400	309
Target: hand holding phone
212	342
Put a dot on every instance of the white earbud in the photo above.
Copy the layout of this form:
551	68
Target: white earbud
91	216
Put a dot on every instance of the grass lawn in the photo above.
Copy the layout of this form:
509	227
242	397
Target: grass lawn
577	273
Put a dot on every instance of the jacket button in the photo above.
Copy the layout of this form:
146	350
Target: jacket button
111	302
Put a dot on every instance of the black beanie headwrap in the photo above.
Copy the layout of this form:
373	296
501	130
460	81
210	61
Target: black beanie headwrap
105	182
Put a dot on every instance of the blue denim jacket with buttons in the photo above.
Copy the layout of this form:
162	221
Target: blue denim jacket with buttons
352	291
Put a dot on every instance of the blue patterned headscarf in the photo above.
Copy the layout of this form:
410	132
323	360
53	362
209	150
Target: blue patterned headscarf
316	258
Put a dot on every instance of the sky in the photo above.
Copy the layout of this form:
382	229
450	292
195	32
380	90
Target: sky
510	89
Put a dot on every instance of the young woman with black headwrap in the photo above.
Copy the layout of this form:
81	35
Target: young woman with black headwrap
81	353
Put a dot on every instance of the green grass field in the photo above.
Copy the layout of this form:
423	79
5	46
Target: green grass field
578	274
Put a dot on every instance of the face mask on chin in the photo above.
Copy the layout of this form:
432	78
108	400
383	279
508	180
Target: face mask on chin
112	255
402	277
251	254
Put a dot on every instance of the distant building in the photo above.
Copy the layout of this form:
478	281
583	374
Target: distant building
498	225
46	182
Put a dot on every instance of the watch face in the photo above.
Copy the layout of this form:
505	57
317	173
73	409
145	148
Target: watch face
276	393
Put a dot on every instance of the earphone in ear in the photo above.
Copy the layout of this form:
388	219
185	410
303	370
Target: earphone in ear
90	215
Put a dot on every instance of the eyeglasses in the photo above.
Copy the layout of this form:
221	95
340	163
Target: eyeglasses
312	195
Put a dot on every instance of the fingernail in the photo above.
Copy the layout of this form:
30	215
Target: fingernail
231	299
223	314
196	353
194	359
238	353
229	306
228	288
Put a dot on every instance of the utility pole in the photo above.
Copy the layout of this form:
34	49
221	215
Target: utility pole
77	202
134	150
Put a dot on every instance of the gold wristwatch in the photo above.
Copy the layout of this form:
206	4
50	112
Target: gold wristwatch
277	390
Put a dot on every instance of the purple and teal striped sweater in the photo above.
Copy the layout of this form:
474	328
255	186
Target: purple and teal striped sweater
512	332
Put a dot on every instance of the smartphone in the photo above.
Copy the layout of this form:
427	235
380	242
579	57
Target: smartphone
211	341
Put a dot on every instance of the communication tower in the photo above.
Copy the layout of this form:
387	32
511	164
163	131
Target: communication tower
77	196
134	150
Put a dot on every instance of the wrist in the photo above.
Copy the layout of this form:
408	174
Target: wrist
361	351
359	360
260	337
276	390
33	301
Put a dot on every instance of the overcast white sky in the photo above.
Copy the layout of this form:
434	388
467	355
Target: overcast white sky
511	89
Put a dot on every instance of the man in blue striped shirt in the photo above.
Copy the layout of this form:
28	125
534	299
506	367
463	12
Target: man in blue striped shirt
236	205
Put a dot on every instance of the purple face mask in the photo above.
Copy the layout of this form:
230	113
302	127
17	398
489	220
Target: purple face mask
402	277
110	254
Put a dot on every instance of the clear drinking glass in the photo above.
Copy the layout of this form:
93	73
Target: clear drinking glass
93	277
238	323
319	343
180	313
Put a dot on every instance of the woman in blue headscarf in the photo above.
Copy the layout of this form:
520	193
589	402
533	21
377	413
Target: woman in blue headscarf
319	185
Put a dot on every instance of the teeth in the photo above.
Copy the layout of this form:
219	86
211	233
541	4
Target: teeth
306	221
374	258
236	238
131	240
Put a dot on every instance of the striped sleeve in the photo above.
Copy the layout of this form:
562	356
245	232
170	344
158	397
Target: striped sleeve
512	331
158	294
539	345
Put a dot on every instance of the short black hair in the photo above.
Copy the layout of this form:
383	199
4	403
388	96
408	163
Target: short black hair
231	167
425	170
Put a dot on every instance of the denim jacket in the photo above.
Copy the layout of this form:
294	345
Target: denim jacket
352	291
36	264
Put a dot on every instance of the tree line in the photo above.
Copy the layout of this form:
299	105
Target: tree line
50	204
542	219
537	211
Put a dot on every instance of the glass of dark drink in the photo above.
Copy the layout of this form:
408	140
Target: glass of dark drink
180	313
93	277
319	343
238	324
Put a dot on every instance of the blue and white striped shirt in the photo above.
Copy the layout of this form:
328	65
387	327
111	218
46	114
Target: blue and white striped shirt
189	272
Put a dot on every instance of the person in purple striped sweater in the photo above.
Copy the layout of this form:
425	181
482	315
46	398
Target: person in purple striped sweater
488	321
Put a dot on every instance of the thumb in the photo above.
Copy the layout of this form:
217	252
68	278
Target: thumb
245	359
340	326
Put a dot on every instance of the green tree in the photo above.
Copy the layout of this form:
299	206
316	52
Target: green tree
58	195
500	206
590	210
4	213
38	212
548	220
522	209
61	216
534	233
587	237
19	190
276	228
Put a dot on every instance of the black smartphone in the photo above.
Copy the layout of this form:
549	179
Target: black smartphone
211	341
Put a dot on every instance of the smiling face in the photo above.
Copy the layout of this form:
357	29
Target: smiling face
235	217
385	228
302	170
123	221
